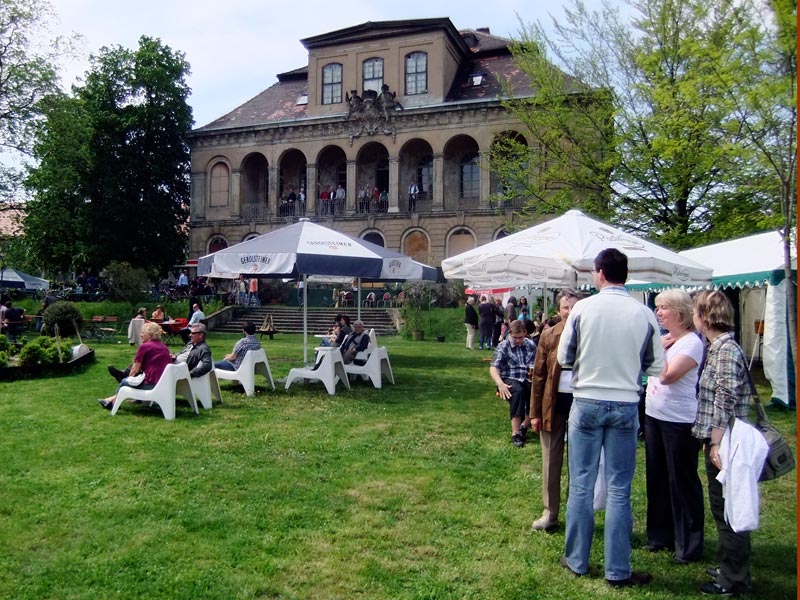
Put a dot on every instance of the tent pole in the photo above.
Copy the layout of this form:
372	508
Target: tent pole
305	319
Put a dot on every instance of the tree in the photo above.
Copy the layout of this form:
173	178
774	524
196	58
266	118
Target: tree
27	74
113	179
631	118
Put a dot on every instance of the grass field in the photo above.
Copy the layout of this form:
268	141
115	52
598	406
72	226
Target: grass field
412	491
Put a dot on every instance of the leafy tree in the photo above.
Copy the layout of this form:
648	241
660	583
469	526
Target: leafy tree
27	74
631	118
113	178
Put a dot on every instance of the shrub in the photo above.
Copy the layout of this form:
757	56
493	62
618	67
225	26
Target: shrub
41	351
4	343
127	282
3	358
62	314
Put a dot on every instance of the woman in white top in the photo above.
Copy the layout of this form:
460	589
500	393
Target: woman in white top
674	492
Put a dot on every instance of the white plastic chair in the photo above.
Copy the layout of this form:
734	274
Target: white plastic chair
328	370
175	380
255	363
205	387
375	369
373	338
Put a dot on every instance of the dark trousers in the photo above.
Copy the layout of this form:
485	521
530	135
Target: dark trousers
496	329
675	511
520	397
733	549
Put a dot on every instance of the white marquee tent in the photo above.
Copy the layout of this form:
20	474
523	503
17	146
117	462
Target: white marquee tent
754	265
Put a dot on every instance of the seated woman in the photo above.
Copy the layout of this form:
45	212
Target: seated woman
152	357
158	314
135	326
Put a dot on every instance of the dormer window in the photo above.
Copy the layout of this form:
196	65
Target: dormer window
372	70
416	73
476	79
332	83
302	100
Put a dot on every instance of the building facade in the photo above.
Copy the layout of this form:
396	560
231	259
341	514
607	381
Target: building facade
386	135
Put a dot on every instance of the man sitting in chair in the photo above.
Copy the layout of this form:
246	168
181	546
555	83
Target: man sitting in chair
356	342
196	353
233	361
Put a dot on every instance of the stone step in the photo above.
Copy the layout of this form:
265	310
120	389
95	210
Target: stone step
287	319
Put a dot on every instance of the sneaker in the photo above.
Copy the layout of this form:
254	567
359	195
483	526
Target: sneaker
544	524
715	589
634	579
523	431
712	572
518	440
652	547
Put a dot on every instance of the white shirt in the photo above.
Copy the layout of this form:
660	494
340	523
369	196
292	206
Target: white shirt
676	402
413	189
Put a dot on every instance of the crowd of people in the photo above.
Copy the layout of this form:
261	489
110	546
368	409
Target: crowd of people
579	380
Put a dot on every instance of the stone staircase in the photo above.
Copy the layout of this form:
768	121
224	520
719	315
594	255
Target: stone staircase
289	319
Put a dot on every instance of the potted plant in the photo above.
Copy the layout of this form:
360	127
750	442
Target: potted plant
416	295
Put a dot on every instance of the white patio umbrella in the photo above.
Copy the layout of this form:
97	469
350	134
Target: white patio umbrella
14	278
561	252
306	248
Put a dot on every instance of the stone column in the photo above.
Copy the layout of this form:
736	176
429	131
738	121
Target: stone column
311	188
486	179
394	182
352	188
438	183
272	192
236	193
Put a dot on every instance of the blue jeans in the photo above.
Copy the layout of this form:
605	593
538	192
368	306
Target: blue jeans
225	365
595	424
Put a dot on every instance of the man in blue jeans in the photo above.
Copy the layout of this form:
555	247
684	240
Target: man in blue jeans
609	340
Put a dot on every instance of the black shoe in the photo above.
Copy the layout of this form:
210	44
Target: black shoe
518	440
712	572
655	547
105	404
714	589
523	431
563	563
116	373
634	579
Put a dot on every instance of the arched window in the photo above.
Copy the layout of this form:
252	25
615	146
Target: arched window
416	73
220	185
415	245
470	180
375	238
217	243
332	83
372	69
460	241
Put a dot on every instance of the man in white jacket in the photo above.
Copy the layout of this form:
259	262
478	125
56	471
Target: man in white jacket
609	340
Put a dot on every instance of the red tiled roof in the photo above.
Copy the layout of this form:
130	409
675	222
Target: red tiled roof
9	222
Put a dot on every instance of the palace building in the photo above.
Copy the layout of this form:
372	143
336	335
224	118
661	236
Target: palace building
385	135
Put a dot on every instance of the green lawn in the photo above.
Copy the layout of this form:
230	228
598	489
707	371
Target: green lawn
412	491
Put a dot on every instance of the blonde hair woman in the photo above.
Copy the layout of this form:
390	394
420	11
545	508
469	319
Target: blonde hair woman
674	493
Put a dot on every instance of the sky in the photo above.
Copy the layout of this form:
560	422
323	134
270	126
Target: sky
237	47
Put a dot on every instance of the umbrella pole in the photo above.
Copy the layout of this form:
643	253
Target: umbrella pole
305	320
358	310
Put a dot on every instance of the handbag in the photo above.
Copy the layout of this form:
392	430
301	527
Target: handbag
780	459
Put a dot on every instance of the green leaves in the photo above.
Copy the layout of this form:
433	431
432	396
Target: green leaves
114	164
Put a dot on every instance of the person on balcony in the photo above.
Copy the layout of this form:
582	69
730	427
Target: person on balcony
413	190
